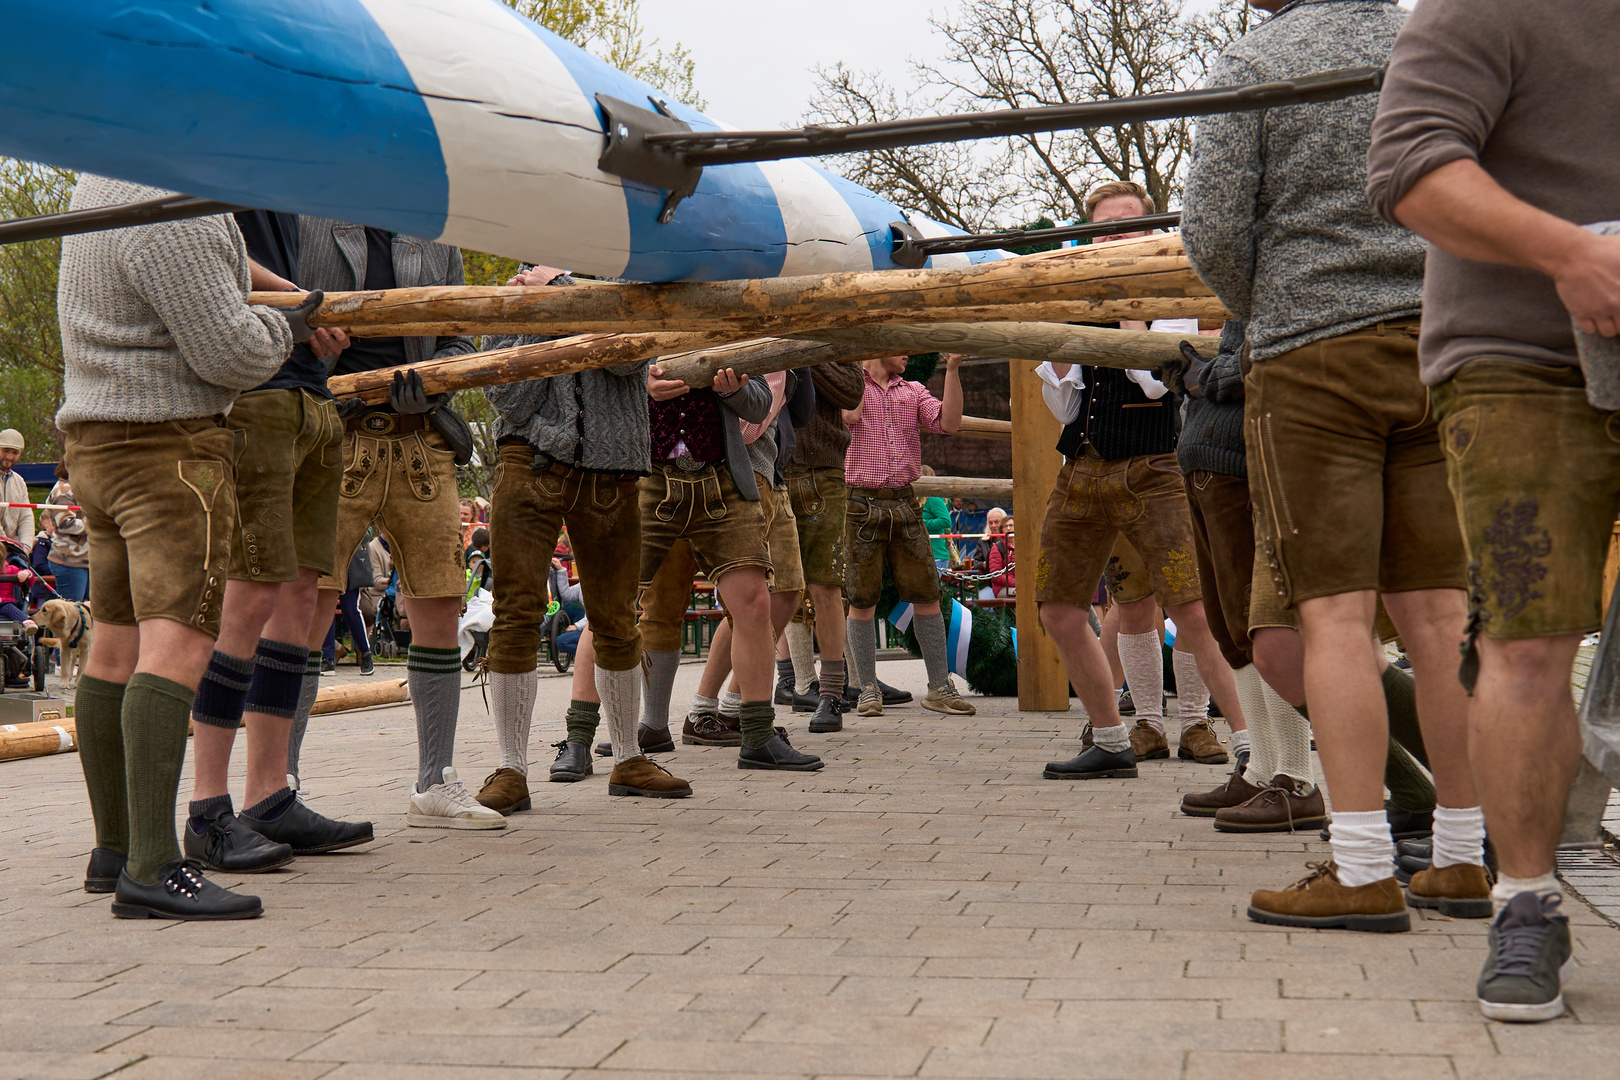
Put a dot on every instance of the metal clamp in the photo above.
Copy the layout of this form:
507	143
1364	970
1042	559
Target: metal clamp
628	154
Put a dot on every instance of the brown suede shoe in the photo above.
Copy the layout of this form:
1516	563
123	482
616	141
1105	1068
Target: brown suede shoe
1320	902
709	729
1148	742
640	775
1462	891
1235	792
1199	743
1281	806
505	791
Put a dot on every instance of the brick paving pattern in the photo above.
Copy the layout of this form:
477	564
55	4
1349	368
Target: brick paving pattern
925	906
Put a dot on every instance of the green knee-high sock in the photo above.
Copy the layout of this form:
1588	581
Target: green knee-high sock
758	722
154	723
1408	787
98	716
582	718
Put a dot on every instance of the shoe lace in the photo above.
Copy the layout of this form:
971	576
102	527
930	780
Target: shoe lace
707	723
1518	947
457	792
1320	871
561	748
1271	793
185	880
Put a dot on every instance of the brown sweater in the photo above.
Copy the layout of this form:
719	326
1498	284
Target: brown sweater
1530	92
822	442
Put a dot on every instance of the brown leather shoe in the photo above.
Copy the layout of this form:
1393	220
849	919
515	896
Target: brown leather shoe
1199	743
640	775
1281	806
709	729
1235	792
505	791
1320	902
1461	891
1148	742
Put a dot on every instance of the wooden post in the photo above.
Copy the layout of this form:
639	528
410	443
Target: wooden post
1043	686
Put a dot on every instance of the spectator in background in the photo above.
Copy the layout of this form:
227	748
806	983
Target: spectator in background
478	569
936	513
69	560
999	559
469	513
16	522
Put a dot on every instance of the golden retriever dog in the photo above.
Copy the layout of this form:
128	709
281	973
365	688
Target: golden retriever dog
72	631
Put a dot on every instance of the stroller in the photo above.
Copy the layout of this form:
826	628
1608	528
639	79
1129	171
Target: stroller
392	633
559	642
23	654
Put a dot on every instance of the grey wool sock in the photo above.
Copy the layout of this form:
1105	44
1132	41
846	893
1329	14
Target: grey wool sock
620	692
930	631
861	652
98	709
784	669
660	668
730	703
155	716
758	722
511	697
434	676
582	719
801	653
832	678
306	702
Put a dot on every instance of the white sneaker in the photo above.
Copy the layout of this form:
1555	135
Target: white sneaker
450	806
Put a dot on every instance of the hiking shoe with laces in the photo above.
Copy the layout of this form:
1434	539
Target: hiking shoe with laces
1148	742
870	702
449	805
1235	792
1319	901
945	699
505	791
1199	742
709	729
1284	805
1462	891
1528	961
642	776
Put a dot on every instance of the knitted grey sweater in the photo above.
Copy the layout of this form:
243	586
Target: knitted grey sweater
1212	429
1275	219
155	320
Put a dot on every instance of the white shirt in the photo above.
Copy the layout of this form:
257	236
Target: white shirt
1063	396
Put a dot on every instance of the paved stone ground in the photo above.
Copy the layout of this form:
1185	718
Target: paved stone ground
926	906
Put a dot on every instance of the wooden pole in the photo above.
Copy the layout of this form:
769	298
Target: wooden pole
1150	275
37	739
347	696
978	427
963	487
1043	685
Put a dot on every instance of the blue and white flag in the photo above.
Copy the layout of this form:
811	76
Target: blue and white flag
958	631
450	120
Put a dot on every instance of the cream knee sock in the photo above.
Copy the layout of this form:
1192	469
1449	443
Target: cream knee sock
1192	696
620	692
1262	741
511	701
1292	734
1142	657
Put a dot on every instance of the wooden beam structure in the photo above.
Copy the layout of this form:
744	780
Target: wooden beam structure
963	487
1043	685
1145	278
978	427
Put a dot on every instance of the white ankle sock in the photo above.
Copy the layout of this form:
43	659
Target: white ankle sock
1262	754
1192	695
1506	888
1363	847
730	703
1112	739
1291	734
511	700
802	651
1459	836
705	704
1142	657
1240	740
620	692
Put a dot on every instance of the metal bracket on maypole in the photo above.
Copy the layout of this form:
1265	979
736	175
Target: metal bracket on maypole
632	155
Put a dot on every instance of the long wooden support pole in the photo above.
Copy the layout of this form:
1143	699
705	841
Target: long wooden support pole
1043	686
1147	274
963	487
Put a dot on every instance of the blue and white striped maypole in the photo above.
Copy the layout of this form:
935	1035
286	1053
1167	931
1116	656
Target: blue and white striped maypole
454	120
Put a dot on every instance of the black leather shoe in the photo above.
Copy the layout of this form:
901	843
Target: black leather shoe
604	749
1412	856
784	691
654	740
309	833
1094	763
777	754
101	876
1408	824
829	716
810	699
230	846
181	892
892	696
573	762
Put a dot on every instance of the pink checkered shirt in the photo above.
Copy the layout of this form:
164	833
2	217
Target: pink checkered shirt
885	448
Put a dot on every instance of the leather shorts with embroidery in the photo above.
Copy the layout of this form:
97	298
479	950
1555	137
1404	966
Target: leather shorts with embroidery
884	528
286	484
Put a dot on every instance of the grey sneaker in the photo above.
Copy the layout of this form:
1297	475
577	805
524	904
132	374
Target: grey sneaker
870	703
1530	955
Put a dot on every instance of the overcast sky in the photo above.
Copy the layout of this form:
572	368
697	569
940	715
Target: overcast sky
755	57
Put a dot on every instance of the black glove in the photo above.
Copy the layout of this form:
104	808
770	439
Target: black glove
298	317
407	395
349	408
1173	371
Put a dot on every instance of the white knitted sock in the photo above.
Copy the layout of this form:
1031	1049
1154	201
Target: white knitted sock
1192	696
1142	656
1262	753
705	704
511	702
1114	739
1459	836
1292	735
730	703
620	692
1363	847
1506	888
1240	740
801	649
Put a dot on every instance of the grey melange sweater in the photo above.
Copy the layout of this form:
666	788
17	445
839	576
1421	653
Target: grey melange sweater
1530	92
1275	217
155	320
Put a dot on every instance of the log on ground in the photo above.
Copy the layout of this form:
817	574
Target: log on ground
37	739
347	696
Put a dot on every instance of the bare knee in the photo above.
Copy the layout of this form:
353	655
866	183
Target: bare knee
1535	665
1138	616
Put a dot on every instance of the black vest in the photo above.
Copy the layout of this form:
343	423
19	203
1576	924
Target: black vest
1119	420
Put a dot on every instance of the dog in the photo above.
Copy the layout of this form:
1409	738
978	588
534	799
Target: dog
73	627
